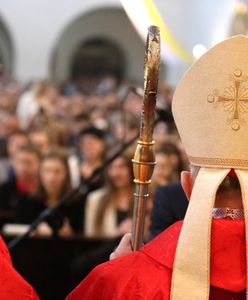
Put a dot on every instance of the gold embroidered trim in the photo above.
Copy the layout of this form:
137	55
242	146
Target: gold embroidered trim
234	99
219	161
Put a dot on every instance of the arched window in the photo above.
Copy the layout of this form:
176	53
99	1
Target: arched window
91	45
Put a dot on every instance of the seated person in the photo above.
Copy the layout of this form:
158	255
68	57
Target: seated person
13	143
108	210
92	149
229	194
26	164
54	183
107	215
169	165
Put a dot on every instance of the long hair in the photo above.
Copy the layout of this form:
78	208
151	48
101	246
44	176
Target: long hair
110	194
169	148
61	155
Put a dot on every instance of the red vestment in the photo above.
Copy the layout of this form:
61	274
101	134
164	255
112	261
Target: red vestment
146	274
12	285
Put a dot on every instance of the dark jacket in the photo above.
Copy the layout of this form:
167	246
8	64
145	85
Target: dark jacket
10	198
169	206
30	207
22	208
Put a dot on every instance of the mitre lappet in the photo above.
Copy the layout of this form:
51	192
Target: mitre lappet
210	107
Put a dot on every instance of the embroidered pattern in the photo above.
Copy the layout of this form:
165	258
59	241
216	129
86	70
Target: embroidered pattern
234	99
225	162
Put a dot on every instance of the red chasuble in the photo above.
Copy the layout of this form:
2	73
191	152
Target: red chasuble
12	285
146	274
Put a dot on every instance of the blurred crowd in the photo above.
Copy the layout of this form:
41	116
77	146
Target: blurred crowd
53	137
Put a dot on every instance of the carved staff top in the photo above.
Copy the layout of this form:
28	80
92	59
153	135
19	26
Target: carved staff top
151	74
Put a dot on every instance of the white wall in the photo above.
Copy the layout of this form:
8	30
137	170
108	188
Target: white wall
36	26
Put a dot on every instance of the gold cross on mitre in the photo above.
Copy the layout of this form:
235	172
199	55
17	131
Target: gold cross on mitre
234	99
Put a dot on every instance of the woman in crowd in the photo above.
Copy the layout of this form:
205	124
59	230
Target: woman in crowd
107	215
54	183
169	165
108	210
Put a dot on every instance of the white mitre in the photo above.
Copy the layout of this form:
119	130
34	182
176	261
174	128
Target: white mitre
210	107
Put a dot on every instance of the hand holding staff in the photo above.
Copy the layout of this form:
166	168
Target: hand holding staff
144	157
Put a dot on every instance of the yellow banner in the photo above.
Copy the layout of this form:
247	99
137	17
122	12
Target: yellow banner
165	32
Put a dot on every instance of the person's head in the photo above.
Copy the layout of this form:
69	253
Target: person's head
41	138
45	89
119	174
98	117
54	174
26	162
10	125
59	133
210	116
228	193
15	141
164	171
91	143
169	164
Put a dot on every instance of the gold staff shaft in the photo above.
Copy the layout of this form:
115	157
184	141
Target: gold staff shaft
144	157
